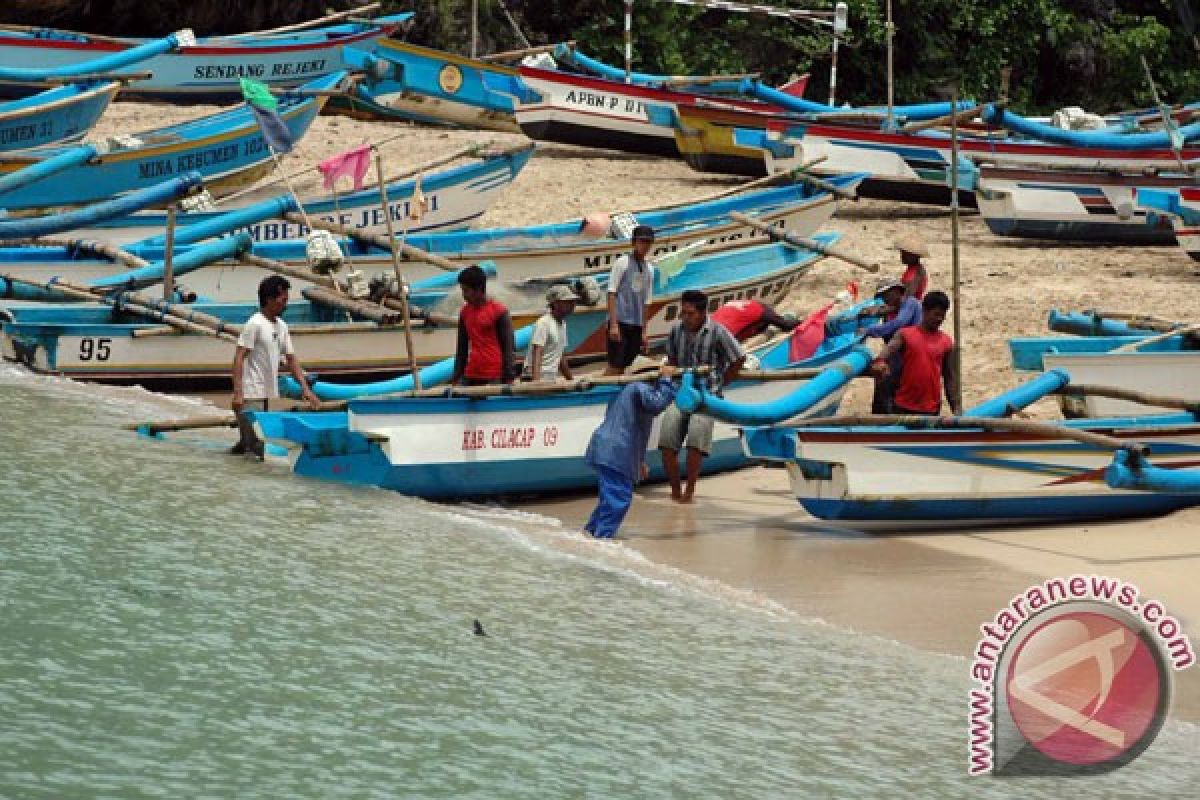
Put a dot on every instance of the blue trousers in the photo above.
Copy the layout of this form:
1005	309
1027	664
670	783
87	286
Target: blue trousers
616	496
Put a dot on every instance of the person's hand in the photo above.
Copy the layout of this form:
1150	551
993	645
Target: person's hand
311	398
667	371
645	471
614	332
880	369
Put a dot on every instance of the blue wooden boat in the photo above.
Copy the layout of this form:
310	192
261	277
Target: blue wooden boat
456	199
205	70
61	114
63	339
1115	354
409	82
519	253
220	147
440	448
933	473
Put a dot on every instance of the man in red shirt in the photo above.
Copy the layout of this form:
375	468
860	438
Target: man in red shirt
915	278
485	335
926	362
747	318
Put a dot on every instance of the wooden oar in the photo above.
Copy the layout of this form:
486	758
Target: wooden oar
121	77
1042	430
1145	321
375	240
513	55
938	122
90	246
1132	395
806	244
1138	345
299	26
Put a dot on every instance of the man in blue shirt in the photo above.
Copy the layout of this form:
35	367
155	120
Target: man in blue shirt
618	448
900	310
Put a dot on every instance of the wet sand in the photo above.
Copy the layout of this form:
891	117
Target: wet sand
746	530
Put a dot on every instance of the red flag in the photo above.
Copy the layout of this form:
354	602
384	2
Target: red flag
808	335
352	163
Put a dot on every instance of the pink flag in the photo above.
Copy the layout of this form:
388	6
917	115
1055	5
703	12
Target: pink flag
808	335
352	163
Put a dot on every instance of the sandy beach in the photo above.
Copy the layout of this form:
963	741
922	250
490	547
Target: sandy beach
746	530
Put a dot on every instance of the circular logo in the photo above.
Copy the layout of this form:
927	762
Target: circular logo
450	78
1088	688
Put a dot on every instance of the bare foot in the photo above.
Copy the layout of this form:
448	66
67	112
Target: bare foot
687	497
676	497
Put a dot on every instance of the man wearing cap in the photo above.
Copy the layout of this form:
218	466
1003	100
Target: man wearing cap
549	342
630	286
748	318
915	279
899	310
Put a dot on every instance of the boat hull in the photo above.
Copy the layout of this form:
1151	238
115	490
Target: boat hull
886	476
208	72
58	115
456	448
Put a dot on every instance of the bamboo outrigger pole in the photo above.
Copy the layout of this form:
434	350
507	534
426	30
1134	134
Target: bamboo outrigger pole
891	97
401	284
958	344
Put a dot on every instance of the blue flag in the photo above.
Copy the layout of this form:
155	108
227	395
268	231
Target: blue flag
263	104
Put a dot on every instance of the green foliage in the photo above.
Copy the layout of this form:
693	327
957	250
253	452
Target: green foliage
1060	52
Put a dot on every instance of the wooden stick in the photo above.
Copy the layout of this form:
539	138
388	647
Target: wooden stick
805	244
778	177
1132	395
1144	321
327	297
1138	345
401	284
299	26
826	186
89	246
949	119
121	77
374	240
169	257
513	55
995	424
704	80
190	424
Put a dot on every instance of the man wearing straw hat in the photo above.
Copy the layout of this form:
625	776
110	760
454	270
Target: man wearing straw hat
630	286
263	341
548	345
915	279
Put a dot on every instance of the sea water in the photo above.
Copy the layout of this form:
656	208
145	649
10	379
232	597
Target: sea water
183	623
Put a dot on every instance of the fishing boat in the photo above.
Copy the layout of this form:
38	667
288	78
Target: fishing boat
915	165
1113	353
456	447
61	114
1180	207
409	82
1073	205
207	70
223	147
454	199
929	472
520	254
111	345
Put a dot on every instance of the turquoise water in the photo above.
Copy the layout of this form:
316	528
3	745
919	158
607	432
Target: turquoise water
180	623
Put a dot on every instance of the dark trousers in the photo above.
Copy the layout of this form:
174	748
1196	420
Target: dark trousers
249	443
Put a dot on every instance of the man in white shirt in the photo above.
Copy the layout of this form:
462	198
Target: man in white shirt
263	341
549	341
630	287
